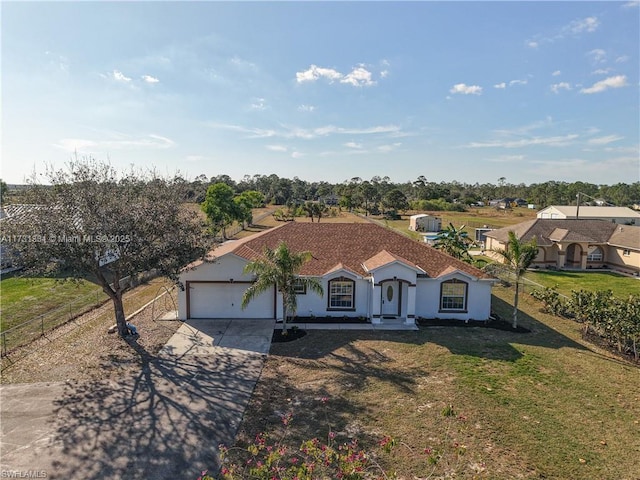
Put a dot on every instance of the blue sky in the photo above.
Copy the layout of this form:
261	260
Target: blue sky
466	91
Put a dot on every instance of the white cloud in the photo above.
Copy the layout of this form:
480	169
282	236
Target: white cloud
500	85
622	58
297	154
589	24
597	55
507	158
120	77
574	28
384	73
632	4
353	145
258	104
308	134
358	77
314	73
556	87
556	73
612	82
306	108
518	82
276	148
388	148
94	146
601	71
150	79
555	141
465	89
605	140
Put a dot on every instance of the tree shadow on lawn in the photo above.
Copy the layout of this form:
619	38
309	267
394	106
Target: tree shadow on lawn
496	344
163	421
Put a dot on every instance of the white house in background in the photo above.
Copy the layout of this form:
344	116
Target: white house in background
366	270
424	223
622	215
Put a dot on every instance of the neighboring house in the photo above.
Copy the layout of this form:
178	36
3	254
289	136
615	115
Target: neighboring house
622	215
424	223
576	244
366	270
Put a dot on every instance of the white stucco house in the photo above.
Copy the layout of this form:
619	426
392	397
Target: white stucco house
366	270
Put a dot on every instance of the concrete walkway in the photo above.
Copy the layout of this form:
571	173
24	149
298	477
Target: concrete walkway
164	421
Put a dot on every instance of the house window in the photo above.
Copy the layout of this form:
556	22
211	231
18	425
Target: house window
453	295
626	252
299	287
341	294
594	254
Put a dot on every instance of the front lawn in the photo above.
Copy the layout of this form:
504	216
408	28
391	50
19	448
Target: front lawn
460	402
566	281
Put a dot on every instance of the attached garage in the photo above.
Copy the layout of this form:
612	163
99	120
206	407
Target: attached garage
224	300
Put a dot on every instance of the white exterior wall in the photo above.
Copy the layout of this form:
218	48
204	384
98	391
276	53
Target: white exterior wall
313	304
222	269
478	299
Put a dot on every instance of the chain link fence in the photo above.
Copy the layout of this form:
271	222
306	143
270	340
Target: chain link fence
26	332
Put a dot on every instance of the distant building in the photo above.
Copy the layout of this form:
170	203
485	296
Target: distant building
621	215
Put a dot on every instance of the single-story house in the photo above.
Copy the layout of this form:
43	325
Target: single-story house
576	244
424	223
622	215
366	270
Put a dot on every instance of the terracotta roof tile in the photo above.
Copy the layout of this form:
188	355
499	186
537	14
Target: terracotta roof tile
351	244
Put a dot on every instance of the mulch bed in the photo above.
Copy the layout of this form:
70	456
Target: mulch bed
495	323
330	320
289	336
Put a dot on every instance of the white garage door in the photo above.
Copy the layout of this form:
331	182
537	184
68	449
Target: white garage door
224	300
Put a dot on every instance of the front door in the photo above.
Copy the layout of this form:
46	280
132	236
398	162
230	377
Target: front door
391	299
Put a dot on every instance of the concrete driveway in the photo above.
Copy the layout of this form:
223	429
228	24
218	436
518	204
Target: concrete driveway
165	421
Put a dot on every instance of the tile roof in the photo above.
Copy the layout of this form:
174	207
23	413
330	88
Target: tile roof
546	231
350	246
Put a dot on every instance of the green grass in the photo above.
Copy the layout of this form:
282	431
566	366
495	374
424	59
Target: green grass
543	404
565	282
25	298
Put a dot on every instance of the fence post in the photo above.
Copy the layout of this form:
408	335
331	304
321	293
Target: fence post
4	343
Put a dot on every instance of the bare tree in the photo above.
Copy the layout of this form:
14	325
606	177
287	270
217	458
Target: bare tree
90	222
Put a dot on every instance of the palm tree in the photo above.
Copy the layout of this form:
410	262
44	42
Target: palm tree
455	242
279	267
517	256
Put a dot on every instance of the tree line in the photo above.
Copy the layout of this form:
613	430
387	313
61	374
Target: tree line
420	194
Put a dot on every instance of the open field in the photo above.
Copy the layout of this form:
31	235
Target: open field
566	281
24	298
27	332
543	404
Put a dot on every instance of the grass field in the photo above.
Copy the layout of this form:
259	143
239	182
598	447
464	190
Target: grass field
566	281
25	298
537	405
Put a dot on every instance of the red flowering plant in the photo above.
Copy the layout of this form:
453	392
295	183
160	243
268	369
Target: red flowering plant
268	457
